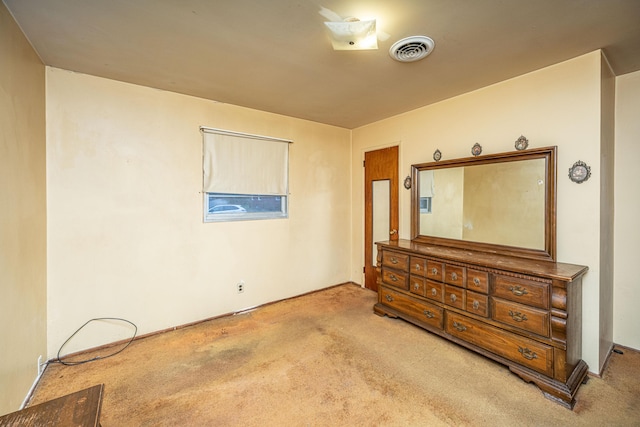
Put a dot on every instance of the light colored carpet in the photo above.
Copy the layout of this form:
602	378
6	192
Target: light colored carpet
325	359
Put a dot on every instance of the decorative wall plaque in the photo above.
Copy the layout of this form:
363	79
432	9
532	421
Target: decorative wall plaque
437	155
579	172
522	143
407	182
476	150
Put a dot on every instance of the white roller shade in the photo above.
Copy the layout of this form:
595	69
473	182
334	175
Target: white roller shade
236	163
427	183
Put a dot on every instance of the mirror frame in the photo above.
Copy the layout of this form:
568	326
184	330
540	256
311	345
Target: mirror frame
546	254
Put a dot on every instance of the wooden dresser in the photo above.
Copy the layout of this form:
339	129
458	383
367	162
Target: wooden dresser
523	313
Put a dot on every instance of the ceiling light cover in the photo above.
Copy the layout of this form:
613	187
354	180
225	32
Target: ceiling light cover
411	49
353	35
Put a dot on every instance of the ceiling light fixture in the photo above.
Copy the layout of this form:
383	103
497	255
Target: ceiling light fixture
411	49
353	34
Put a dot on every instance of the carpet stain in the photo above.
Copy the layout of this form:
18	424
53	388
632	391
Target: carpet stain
325	359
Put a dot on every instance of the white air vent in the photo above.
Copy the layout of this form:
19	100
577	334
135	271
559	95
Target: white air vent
411	49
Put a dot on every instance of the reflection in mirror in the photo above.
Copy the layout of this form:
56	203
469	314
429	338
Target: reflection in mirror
505	200
486	203
381	217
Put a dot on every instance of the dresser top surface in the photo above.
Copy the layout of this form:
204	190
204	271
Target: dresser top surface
548	269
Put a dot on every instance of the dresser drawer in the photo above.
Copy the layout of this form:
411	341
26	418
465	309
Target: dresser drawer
521	316
435	291
477	303
454	275
521	290
417	285
435	271
478	281
396	260
396	278
524	351
419	310
418	266
454	296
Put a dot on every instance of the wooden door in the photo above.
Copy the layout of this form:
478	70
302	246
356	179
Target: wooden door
381	205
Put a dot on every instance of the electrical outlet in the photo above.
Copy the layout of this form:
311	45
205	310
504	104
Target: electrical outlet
240	286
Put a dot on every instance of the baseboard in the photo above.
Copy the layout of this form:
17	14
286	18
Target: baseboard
615	348
29	395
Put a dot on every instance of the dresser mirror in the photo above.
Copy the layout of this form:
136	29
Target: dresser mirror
499	203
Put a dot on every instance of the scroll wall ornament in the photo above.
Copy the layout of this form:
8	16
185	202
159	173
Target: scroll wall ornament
522	143
476	150
407	182
579	172
437	155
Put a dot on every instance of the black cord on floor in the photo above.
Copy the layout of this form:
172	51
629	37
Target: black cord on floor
80	362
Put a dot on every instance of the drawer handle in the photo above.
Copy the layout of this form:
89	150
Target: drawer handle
476	304
476	281
434	291
389	297
527	354
453	298
417	267
394	260
517	316
393	277
518	290
416	286
429	314
459	326
434	271
454	276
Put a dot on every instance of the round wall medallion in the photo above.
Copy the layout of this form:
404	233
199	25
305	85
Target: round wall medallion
437	155
579	172
476	150
407	182
522	143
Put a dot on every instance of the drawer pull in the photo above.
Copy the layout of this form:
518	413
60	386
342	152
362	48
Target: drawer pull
453	298
434	291
389	297
393	277
459	326
527	354
476	304
454	276
476	281
416	286
417	267
517	316
434	271
518	290
429	314
394	260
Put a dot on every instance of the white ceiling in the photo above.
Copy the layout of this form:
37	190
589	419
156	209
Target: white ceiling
275	55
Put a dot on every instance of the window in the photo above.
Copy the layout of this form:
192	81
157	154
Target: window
244	176
425	204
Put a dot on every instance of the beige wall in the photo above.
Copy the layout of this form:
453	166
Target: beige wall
22	214
126	237
626	316
559	105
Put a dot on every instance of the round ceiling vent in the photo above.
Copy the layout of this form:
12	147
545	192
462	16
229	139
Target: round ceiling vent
411	49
